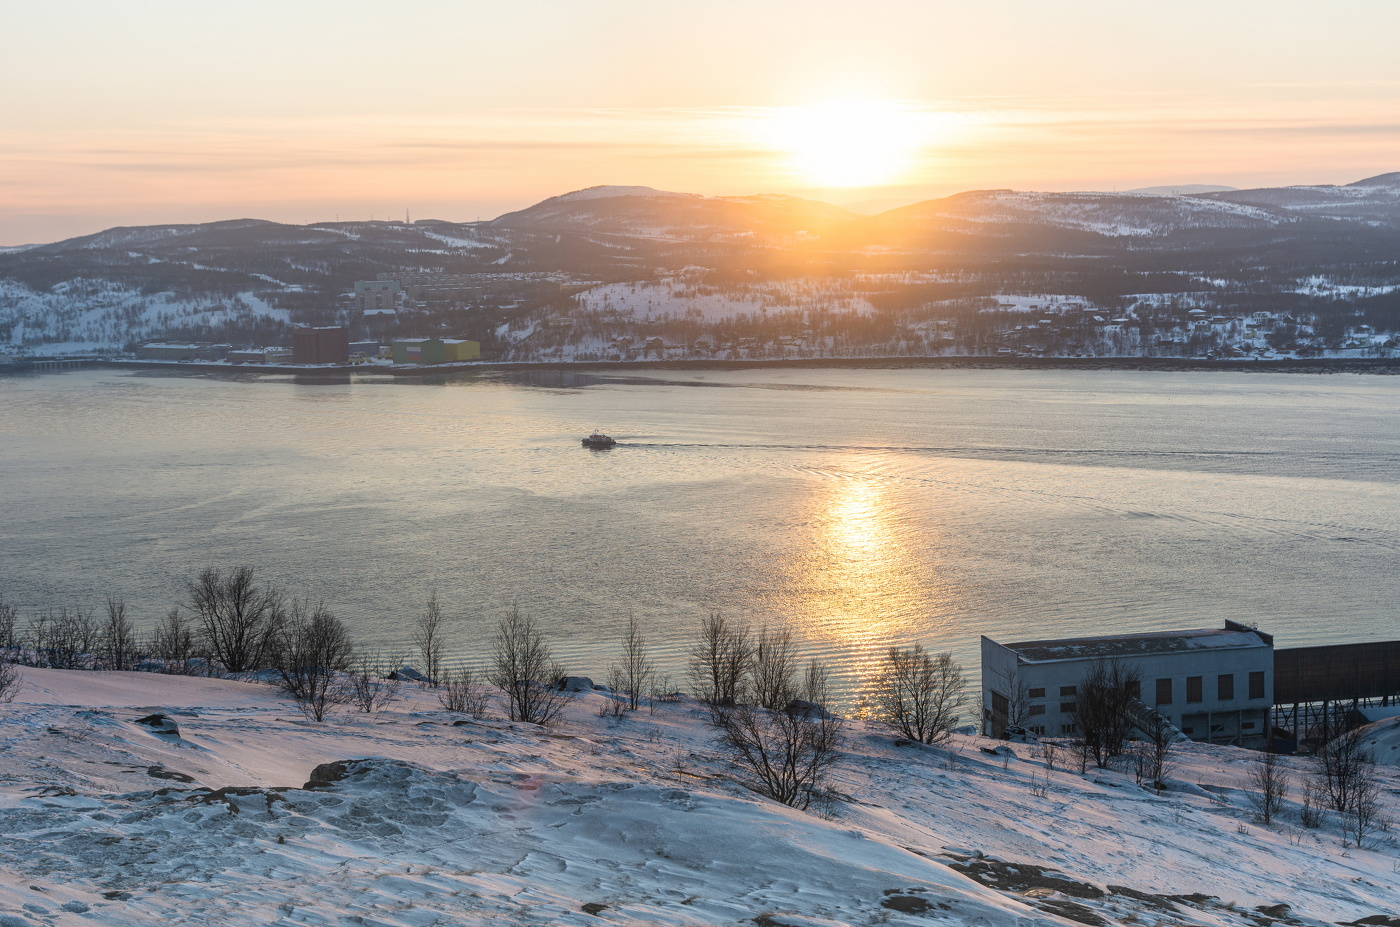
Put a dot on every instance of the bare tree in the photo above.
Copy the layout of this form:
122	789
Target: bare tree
427	638
719	661
1018	703
784	755
9	626
919	694
1345	769
523	667
238	619
1266	784
460	693
10	679
312	651
172	643
118	646
1103	700
370	688
635	674
773	669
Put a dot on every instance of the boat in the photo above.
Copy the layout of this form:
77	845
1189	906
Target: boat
599	442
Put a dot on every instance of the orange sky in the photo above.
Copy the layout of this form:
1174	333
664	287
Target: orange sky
146	112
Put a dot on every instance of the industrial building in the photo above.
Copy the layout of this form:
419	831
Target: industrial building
1214	684
167	351
434	350
326	345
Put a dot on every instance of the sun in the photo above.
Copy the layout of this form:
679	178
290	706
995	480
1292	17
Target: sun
849	143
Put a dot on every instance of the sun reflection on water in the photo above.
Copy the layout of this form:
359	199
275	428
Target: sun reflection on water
870	577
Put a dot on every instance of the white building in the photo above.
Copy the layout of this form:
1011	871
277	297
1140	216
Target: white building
1216	685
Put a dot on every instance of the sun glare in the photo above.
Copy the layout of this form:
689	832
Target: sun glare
850	143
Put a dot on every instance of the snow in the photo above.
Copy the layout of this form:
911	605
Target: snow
82	314
441	818
606	192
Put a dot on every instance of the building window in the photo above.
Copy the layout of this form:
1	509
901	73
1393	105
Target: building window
1256	684
1038	731
1193	689
1135	688
1068	690
1035	693
1248	725
1225	687
1068	708
1037	709
1069	729
1164	692
1188	731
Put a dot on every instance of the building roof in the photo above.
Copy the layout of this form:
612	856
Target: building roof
1231	637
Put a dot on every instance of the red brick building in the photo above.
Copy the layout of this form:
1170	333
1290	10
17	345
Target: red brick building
329	345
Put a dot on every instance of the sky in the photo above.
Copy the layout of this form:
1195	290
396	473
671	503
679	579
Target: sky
154	111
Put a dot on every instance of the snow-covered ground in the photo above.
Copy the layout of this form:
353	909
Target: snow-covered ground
686	297
445	819
96	315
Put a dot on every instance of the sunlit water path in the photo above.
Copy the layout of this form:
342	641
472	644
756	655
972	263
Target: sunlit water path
858	507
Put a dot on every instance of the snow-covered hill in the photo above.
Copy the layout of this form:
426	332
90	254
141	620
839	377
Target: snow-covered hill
249	816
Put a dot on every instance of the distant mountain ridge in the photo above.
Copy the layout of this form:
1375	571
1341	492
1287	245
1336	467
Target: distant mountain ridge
1319	249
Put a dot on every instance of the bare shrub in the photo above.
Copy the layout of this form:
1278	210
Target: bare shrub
784	755
172	643
1103	700
523	667
461	694
1314	800
238	619
118	645
920	695
773	669
63	639
635	674
1153	758
1266	784
1345	768
312	650
1363	819
369	687
10	679
427	639
719	661
816	684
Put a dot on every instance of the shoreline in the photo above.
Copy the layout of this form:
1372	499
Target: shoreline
1319	365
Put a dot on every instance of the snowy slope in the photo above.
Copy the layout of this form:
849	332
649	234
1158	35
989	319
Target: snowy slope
441	818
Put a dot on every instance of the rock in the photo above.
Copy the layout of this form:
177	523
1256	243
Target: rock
76	907
328	774
411	674
576	684
160	724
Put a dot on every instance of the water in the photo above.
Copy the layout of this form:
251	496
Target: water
860	508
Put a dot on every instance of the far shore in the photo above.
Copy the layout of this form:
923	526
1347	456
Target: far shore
1312	365
1382	365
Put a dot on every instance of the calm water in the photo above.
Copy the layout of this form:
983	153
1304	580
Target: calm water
858	507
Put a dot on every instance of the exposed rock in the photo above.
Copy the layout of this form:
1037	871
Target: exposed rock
160	724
